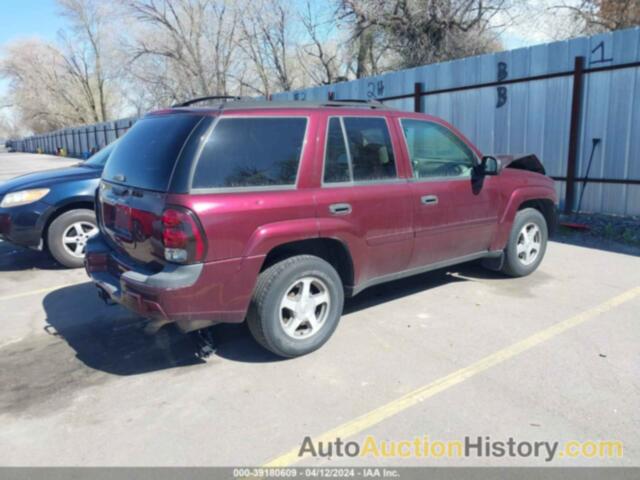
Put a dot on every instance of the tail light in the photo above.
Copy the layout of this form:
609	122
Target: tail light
182	236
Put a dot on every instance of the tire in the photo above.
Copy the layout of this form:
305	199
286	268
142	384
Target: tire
273	325
66	225
520	259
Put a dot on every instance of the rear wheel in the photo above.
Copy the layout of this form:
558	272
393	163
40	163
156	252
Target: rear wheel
527	243
68	235
296	305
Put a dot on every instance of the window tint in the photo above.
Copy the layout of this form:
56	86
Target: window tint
336	162
435	151
370	148
144	157
250	152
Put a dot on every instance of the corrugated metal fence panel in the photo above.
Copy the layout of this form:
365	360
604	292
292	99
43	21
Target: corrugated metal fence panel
527	117
77	141
533	116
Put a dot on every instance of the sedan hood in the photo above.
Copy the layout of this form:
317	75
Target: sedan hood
48	178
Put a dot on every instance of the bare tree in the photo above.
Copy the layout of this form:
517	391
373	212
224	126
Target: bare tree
187	47
422	31
45	95
53	86
594	16
321	55
87	51
267	40
368	37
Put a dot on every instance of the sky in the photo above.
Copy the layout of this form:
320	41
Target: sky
38	18
24	18
27	18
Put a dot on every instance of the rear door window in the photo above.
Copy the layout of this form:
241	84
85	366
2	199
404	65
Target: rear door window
368	154
145	156
251	152
336	162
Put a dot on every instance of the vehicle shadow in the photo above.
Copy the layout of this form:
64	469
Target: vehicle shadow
390	291
237	344
14	259
112	340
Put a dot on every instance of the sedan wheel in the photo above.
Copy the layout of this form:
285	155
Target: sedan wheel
68	235
75	237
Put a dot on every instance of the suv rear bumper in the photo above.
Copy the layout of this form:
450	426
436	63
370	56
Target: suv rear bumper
193	296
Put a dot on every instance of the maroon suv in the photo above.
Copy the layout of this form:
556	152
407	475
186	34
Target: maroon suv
274	212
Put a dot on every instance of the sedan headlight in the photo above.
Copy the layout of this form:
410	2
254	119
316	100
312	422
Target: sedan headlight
23	197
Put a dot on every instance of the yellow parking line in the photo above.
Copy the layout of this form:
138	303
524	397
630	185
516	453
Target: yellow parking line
36	292
394	407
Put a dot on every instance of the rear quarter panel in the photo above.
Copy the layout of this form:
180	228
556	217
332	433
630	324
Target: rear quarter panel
251	223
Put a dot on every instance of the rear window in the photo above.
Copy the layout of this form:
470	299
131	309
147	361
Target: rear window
145	156
251	152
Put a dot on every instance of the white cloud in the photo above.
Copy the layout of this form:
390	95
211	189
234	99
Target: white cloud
530	22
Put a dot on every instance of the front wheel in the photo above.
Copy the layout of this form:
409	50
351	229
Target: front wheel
296	305
68	235
527	243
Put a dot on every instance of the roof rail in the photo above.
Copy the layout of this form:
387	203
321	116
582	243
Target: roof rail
204	99
356	102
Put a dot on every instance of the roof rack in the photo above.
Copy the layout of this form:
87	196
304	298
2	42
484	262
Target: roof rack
204	99
242	103
356	102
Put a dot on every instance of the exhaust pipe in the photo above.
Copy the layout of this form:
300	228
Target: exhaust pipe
106	298
152	326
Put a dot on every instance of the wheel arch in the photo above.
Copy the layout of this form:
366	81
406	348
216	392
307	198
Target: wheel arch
332	250
542	198
75	204
546	207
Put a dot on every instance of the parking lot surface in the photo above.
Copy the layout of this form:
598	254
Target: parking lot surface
453	353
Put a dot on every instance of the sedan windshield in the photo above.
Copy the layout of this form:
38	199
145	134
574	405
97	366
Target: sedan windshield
99	159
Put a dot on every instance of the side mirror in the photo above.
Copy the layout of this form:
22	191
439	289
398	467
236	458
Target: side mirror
489	165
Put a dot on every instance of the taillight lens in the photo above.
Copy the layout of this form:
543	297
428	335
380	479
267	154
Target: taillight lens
182	236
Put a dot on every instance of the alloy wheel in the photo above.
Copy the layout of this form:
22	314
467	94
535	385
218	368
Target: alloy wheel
75	237
529	243
304	307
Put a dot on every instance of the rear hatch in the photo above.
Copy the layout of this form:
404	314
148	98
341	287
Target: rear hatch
136	181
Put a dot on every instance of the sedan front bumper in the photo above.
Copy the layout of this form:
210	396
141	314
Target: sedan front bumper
25	225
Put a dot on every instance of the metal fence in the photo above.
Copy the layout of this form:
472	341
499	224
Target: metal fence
575	104
552	100
77	142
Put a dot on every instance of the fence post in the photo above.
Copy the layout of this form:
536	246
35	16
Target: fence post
417	97
574	134
66	141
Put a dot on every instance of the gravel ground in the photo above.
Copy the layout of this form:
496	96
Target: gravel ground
607	232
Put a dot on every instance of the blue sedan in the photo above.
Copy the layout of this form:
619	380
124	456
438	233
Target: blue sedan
54	209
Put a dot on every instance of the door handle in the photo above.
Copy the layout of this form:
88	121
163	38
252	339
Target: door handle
429	200
340	209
